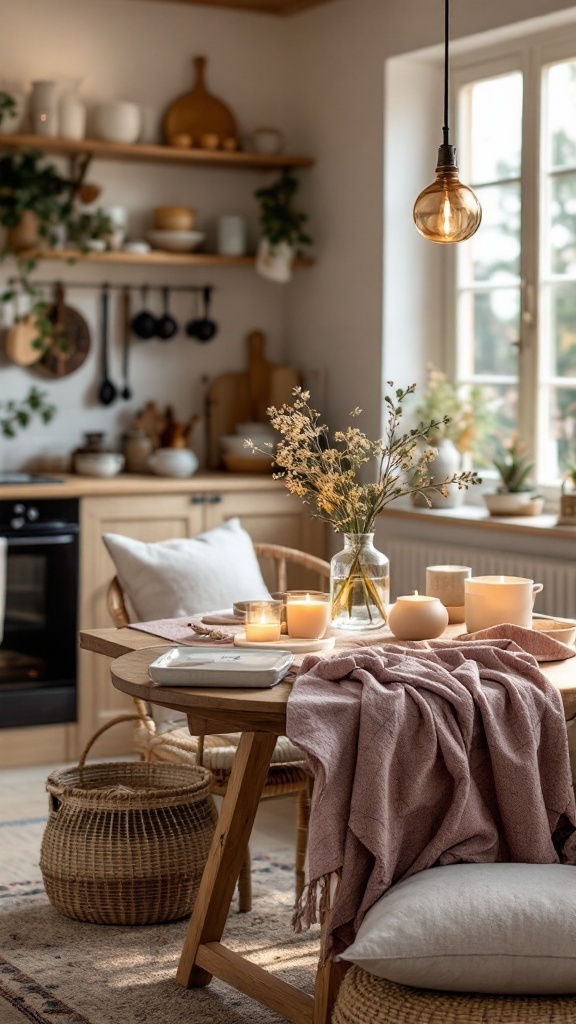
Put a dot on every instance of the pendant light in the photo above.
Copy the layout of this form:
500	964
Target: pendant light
447	211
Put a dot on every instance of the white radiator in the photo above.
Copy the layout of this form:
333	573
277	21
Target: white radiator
409	558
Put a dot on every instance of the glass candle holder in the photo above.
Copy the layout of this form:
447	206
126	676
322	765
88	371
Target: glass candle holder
307	614
262	622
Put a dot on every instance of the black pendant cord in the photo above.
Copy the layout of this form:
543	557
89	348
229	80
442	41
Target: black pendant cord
446	129
446	153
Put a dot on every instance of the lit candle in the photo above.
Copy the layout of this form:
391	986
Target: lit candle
417	617
307	615
263	621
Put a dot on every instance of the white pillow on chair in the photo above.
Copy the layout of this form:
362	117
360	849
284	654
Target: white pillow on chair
494	928
171	578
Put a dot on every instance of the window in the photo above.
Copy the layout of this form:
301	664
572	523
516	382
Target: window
514	295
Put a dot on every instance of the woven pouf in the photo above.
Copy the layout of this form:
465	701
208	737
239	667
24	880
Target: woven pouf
126	843
365	999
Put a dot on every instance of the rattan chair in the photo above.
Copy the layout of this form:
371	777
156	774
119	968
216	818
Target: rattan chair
286	774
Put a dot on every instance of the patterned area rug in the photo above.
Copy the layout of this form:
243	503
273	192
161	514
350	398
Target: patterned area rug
57	971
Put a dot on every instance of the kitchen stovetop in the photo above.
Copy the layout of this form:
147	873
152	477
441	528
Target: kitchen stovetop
9	477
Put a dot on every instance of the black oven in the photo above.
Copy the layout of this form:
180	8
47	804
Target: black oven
39	596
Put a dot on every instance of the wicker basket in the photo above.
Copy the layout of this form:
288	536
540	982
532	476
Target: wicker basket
365	999
126	842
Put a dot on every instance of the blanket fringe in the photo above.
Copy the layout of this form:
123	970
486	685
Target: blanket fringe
313	904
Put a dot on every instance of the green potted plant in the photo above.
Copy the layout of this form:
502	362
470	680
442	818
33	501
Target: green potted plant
282	228
34	199
453	428
515	493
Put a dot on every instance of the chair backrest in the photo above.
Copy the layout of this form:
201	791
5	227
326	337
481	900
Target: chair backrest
281	558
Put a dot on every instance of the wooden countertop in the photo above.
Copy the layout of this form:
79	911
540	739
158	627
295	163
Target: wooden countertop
75	486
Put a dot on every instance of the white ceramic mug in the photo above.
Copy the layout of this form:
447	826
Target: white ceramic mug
492	600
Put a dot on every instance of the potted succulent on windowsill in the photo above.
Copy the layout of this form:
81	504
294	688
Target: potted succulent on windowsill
282	229
515	495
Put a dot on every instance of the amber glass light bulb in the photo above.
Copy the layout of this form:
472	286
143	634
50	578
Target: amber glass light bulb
447	211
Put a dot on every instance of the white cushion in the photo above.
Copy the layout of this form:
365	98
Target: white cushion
171	578
495	928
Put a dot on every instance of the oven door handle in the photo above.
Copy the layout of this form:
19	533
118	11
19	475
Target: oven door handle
46	541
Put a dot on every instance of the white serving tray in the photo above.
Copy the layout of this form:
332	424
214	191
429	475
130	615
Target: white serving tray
220	667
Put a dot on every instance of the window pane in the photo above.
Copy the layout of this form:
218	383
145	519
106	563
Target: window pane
499	420
492	320
496	116
560	114
496	247
562	428
562	224
563	330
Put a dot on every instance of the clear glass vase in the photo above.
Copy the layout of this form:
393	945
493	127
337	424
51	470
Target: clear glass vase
359	584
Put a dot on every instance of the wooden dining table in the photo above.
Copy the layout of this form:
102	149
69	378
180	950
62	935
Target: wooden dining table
260	715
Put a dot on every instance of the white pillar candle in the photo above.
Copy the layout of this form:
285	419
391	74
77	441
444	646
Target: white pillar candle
417	617
307	615
446	582
262	622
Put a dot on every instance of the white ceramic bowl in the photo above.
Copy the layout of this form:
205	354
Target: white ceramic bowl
98	463
175	241
559	629
176	462
258	432
118	121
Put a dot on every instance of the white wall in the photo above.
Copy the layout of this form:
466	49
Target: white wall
143	51
320	76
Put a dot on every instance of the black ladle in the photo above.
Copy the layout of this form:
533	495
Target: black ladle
192	324
107	391
144	323
206	328
166	326
126	390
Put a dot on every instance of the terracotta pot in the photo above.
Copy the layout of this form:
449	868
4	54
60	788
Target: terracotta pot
25	234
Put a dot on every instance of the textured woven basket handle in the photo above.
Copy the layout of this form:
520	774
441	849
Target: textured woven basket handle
104	728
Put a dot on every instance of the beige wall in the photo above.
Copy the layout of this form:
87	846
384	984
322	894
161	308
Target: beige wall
320	76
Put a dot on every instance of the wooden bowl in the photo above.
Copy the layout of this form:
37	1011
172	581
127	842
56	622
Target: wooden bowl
174	218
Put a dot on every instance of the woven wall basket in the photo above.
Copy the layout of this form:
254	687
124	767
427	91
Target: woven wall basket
126	842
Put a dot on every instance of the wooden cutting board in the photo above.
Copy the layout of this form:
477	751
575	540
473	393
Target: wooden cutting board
199	113
236	398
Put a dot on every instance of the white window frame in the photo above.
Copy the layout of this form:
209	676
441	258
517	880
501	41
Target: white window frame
529	56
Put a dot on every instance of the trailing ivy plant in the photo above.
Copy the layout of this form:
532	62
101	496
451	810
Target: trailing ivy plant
14	415
8	106
27	185
279	221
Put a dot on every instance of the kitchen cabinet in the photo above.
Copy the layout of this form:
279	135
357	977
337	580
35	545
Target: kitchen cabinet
268	513
80	153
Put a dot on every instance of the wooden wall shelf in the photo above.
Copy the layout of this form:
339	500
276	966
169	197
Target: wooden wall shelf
153	258
263	6
153	153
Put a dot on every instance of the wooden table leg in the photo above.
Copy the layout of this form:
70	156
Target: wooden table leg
229	845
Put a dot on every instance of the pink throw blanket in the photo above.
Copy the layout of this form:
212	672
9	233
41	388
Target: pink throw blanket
452	752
